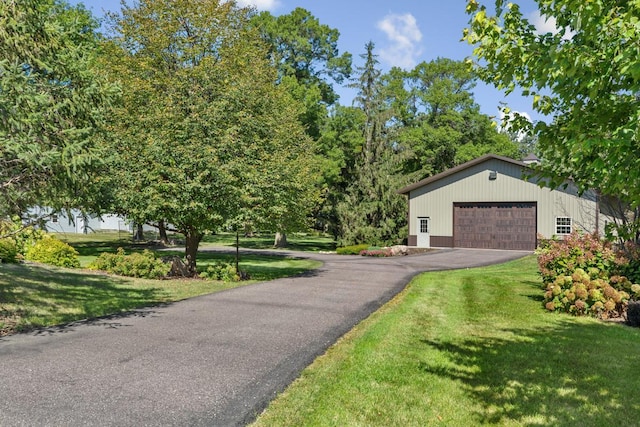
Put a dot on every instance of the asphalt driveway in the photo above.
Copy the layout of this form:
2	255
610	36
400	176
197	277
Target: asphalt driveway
211	360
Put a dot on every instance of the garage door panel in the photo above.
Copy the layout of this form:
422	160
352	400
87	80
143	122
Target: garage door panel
495	225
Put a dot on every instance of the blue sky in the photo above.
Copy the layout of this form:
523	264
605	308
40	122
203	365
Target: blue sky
405	32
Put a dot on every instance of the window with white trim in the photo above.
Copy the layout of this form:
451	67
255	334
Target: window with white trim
563	225
424	225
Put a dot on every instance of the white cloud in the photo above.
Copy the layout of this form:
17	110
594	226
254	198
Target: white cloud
548	24
404	37
260	4
504	121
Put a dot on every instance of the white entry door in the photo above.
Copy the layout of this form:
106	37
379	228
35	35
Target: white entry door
423	232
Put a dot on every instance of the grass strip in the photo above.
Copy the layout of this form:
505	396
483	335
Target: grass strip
35	295
470	347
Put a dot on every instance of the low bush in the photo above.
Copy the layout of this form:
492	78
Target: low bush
50	250
223	271
22	237
561	257
352	250
590	293
144	264
8	251
631	267
382	252
581	276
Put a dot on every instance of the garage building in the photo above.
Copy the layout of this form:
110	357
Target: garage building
492	203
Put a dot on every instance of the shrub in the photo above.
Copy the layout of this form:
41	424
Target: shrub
577	250
588	293
22	237
144	264
383	252
352	250
8	251
50	250
631	268
223	271
633	313
581	277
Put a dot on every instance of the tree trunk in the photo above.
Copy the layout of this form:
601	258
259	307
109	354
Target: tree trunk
281	240
162	230
191	251
138	234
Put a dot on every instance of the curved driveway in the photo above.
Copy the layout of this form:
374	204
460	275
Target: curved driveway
211	360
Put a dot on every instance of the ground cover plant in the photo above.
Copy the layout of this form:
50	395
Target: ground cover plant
470	347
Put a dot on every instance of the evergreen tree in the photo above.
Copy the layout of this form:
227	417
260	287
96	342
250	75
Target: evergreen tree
372	212
53	101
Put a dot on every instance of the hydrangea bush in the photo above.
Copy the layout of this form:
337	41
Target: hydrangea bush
581	276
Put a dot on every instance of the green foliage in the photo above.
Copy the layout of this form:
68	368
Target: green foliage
584	75
591	293
631	267
303	48
580	277
53	100
561	257
8	251
338	148
223	271
206	137
371	210
352	250
50	250
21	235
144	264
438	120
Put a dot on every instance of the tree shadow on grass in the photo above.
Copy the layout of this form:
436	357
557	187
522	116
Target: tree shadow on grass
33	296
575	374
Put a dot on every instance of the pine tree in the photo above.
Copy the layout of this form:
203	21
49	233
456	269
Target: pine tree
372	212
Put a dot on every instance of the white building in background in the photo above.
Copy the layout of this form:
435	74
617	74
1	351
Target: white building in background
79	223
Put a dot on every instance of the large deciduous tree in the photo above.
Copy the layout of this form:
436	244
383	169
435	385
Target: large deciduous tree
438	119
584	76
206	137
52	104
307	57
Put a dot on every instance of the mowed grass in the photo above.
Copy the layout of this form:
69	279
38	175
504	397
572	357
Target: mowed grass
35	295
466	348
296	241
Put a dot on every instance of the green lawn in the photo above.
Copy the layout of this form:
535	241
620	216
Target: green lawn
33	295
91	245
297	241
465	348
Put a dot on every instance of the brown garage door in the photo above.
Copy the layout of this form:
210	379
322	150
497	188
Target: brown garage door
495	225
